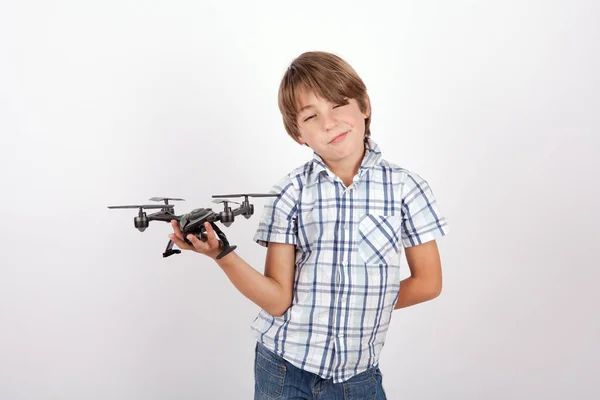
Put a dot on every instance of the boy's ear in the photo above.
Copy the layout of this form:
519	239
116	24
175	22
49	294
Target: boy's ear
368	104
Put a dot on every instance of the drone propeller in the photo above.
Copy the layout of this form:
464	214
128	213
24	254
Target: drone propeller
143	206
246	195
225	201
165	199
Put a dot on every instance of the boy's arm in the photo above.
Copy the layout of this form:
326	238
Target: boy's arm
271	291
425	282
422	224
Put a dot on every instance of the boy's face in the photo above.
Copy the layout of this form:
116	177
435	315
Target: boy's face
334	131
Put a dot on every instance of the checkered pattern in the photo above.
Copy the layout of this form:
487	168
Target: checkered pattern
348	242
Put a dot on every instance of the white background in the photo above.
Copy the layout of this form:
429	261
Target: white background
112	102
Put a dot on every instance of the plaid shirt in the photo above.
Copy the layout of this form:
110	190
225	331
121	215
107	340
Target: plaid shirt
347	278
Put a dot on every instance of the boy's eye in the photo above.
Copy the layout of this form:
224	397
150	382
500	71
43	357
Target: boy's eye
309	117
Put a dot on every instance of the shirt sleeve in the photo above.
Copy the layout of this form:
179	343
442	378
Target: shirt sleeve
422	220
278	222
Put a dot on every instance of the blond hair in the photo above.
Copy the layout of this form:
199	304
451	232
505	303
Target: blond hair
328	76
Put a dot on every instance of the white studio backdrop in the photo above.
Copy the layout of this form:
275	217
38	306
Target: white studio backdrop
113	102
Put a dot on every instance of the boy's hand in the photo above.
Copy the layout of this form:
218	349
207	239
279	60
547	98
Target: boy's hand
209	246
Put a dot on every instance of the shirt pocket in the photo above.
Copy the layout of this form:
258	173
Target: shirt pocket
379	238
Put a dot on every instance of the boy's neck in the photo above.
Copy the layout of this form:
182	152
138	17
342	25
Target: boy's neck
346	169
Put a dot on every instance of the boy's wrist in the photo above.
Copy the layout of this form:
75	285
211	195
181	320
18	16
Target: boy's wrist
215	253
226	260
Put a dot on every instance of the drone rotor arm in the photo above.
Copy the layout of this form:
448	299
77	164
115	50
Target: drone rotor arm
163	216
240	210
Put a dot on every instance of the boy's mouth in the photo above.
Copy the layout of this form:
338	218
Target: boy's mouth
338	138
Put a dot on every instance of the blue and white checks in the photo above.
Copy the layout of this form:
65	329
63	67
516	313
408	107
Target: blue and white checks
348	242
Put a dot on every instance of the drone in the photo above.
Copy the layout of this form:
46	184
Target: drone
193	222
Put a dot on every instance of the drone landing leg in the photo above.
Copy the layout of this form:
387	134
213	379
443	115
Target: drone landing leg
169	250
226	247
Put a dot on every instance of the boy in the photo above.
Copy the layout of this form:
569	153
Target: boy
333	238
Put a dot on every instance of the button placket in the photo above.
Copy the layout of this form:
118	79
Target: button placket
346	231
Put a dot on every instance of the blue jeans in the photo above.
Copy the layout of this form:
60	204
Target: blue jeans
276	378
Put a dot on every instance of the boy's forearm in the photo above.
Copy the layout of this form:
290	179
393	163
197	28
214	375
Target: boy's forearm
414	290
260	289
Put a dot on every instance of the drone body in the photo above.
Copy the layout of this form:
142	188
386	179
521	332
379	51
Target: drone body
193	222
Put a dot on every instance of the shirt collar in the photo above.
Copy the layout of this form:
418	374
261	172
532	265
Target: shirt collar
371	158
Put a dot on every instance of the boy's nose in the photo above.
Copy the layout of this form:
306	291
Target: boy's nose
329	122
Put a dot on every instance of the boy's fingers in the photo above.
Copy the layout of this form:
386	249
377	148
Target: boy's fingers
176	228
205	245
212	237
198	244
179	242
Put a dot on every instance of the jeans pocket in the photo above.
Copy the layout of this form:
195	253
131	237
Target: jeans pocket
361	387
380	390
269	373
379	238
